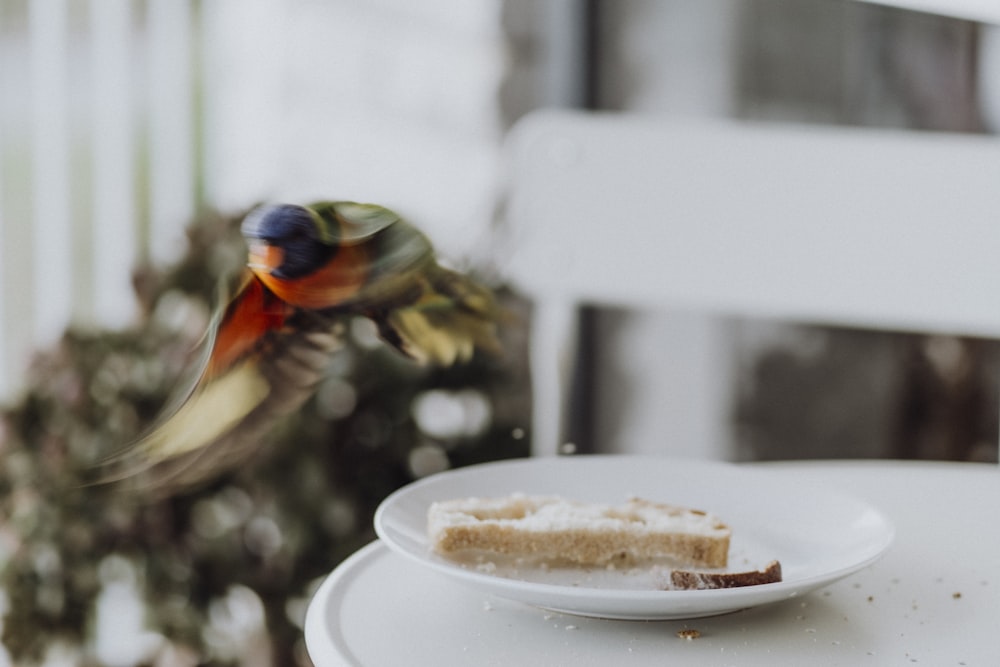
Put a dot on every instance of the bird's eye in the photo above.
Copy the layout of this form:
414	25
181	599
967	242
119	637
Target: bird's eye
300	233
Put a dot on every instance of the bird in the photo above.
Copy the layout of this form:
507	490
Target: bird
308	267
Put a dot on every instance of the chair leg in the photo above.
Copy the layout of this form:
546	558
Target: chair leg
553	340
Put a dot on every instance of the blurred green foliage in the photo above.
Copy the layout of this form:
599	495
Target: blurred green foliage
274	526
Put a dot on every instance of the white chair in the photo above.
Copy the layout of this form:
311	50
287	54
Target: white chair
879	229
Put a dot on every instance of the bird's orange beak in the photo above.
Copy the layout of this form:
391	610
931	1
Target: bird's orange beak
264	257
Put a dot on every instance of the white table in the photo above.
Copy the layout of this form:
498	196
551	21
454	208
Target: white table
933	600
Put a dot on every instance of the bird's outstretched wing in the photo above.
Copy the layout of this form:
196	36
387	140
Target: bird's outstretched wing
229	415
444	320
254	368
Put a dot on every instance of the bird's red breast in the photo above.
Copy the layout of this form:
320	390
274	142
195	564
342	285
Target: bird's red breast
249	316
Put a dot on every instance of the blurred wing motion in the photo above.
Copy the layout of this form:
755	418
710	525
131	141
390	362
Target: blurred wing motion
309	267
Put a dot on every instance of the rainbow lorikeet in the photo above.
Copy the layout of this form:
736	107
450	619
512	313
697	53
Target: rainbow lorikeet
308	266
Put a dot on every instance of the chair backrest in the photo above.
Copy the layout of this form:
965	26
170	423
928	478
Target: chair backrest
880	229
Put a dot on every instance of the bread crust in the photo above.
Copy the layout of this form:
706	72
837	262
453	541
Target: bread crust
555	530
685	580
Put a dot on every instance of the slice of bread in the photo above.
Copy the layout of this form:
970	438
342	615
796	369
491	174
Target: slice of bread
555	530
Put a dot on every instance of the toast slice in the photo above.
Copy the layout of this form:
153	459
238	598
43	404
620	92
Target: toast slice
556	530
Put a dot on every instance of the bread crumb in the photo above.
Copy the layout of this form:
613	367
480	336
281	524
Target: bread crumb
956	595
688	634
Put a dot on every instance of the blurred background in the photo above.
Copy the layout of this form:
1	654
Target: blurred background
134	133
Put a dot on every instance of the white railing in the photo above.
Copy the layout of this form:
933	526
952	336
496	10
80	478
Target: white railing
97	161
129	113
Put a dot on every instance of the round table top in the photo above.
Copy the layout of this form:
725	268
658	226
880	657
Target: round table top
933	598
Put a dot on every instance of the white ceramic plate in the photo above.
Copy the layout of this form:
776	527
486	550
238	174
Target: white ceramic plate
818	535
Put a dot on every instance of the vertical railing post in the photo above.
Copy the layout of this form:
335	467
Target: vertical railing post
52	267
170	96
113	228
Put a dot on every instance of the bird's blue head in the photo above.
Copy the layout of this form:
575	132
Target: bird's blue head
286	241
